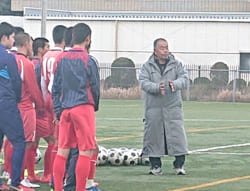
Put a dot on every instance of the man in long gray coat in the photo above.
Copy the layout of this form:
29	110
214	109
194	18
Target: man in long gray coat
162	77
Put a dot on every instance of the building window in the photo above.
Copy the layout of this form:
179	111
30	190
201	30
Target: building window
245	62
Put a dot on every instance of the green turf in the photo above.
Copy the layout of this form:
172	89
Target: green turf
221	124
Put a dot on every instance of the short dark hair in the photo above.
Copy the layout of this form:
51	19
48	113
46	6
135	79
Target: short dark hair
68	36
39	43
80	33
58	33
6	29
18	30
21	39
157	40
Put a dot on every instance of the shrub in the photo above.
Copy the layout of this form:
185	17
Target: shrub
202	81
240	84
219	75
123	74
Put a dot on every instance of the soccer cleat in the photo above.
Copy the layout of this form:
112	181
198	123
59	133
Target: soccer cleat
180	171
45	179
4	187
96	184
26	182
93	188
34	178
9	181
155	171
20	188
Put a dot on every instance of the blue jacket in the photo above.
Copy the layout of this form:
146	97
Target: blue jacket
10	80
76	81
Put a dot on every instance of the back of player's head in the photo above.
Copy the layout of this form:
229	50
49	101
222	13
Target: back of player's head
21	39
39	43
58	34
6	29
18	30
80	32
68	37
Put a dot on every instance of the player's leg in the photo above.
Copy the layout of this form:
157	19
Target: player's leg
64	145
90	182
13	128
47	160
71	178
83	119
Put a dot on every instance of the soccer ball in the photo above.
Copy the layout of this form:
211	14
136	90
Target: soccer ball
130	157
123	149
102	156
115	158
145	161
38	156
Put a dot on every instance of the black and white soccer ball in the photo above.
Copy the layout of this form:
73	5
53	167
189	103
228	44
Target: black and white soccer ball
123	149
115	158
145	161
130	157
38	156
102	158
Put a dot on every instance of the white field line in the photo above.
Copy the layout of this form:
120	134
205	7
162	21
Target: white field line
201	120
218	147
220	153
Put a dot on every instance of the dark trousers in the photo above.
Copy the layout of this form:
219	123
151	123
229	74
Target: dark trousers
178	162
71	165
11	125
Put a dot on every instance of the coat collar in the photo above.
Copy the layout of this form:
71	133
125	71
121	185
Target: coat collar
171	64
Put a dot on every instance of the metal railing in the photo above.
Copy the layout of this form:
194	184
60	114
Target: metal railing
205	84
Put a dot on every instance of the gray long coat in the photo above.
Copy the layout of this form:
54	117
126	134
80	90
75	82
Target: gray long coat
163	112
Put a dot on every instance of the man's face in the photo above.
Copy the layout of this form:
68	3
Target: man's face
45	49
29	48
161	50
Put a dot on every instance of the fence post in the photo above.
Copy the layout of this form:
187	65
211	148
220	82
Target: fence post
234	86
188	87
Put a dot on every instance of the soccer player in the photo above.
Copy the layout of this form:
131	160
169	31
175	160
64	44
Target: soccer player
8	148
75	93
40	48
31	101
47	76
11	123
70	182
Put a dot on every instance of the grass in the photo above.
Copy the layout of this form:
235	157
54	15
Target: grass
208	124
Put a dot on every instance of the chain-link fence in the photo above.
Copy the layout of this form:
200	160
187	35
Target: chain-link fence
205	84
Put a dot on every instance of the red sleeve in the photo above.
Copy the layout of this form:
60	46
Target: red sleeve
30	80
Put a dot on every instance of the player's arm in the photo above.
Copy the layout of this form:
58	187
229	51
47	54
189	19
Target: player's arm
15	77
30	80
56	92
94	82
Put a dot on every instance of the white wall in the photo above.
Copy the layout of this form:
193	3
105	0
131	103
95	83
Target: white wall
190	41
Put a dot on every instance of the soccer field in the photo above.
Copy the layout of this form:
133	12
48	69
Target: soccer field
219	142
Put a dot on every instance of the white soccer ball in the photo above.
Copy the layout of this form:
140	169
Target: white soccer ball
123	149
115	158
130	157
102	156
38	156
145	161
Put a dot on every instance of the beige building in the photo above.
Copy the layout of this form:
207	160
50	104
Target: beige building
138	5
